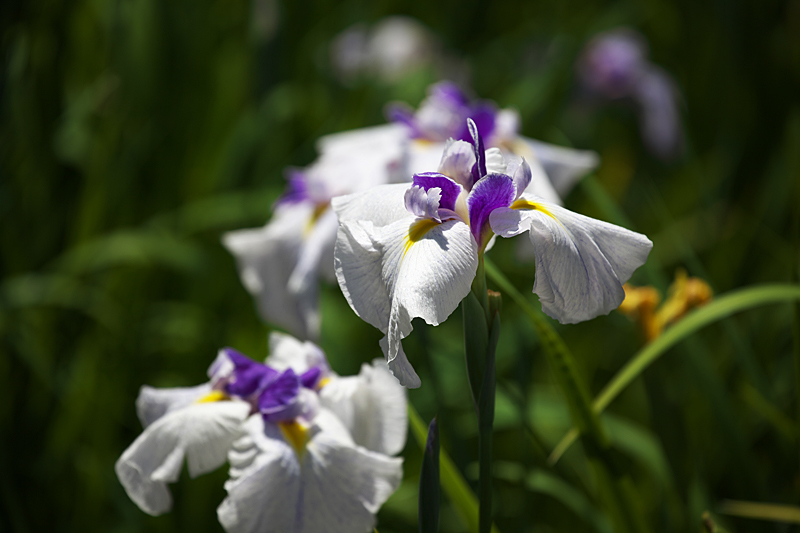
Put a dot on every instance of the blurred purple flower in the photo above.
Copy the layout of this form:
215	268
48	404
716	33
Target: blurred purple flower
614	66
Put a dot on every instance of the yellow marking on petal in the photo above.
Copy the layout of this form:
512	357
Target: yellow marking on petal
295	434
213	396
525	204
417	231
424	143
318	211
323	382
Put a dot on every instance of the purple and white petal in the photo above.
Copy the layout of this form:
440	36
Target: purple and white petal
449	189
581	263
372	405
423	203
201	433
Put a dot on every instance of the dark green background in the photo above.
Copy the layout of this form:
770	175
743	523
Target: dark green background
134	132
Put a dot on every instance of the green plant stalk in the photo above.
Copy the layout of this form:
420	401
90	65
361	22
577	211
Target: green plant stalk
610	484
717	309
481	333
453	483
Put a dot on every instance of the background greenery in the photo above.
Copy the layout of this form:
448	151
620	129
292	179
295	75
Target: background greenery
135	132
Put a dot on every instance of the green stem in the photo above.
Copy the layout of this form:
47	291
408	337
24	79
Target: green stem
481	333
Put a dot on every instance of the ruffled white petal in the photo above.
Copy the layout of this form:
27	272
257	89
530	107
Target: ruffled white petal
379	205
334	486
457	160
495	162
581	263
564	166
287	352
266	258
388	281
372	406
153	403
202	433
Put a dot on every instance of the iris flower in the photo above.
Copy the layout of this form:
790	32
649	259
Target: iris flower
309	451
413	251
281	263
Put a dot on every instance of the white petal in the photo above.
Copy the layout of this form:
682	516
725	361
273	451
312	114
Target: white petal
153	403
201	432
581	263
267	257
372	406
362	140
335	487
388	281
495	163
264	490
379	205
287	352
564	166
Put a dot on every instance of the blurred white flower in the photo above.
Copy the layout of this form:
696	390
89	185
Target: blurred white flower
309	451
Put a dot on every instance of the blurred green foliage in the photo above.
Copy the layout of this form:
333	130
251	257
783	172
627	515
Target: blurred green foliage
134	132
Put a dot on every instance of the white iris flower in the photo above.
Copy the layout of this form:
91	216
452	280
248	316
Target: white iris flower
405	252
309	451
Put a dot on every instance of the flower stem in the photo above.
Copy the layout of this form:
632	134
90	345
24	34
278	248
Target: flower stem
481	333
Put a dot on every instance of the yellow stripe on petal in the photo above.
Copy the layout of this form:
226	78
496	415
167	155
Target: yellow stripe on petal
417	231
295	434
213	396
525	204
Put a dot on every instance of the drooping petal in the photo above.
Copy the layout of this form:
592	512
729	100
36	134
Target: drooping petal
457	161
379	205
372	406
581	263
153	403
333	486
411	268
563	166
202	433
266	258
490	193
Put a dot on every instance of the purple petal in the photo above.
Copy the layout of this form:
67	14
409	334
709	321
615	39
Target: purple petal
450	189
479	170
423	203
310	377
520	172
448	94
483	114
280	396
296	190
248	376
491	192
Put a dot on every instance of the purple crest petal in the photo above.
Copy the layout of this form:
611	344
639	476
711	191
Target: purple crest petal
297	188
249	376
280	396
310	377
483	114
479	170
450	189
491	192
448	94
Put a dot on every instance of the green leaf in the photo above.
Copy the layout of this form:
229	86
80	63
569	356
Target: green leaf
453	483
717	309
429	483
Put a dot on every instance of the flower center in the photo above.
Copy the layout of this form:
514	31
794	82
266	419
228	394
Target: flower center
295	434
417	231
